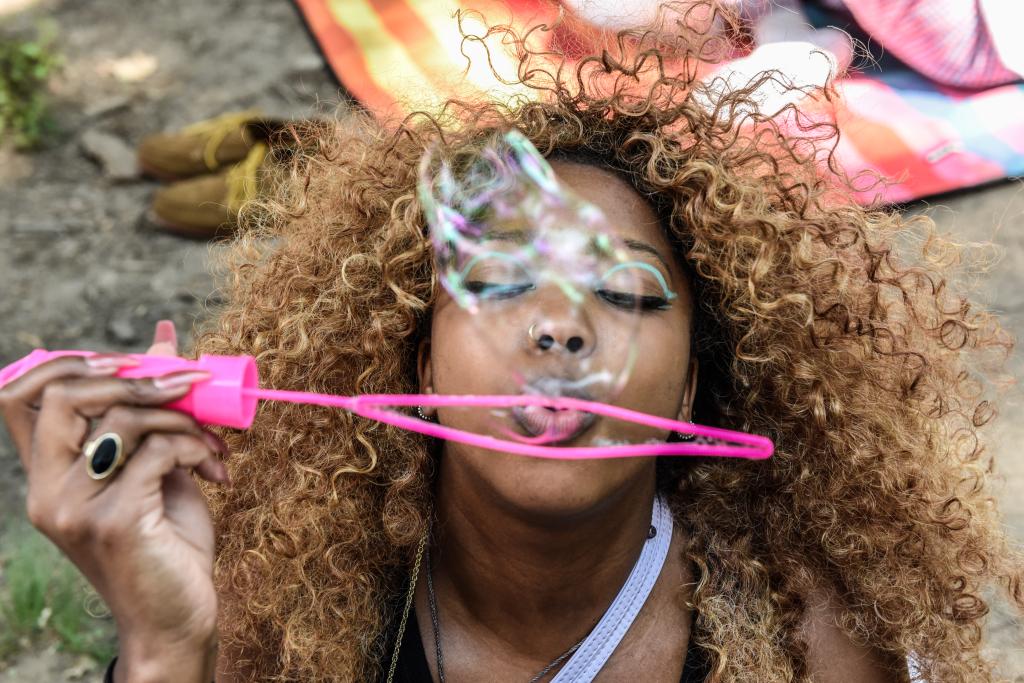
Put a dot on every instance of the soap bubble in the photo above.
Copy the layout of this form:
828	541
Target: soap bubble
553	292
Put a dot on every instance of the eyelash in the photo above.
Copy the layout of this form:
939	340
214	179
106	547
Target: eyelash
493	291
631	301
621	300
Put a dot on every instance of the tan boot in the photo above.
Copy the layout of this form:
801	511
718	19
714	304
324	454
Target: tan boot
205	147
208	206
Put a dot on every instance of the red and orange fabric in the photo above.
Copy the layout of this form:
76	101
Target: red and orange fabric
396	56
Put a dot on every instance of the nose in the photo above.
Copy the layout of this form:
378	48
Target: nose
558	323
571	336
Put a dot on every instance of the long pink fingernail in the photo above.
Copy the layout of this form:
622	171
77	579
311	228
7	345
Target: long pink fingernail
180	379
165	333
110	361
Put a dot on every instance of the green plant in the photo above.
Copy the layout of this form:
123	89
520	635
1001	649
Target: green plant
43	597
25	67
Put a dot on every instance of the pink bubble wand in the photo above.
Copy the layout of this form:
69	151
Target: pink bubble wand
231	396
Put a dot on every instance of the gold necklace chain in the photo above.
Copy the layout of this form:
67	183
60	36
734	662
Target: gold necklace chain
408	607
437	633
410	594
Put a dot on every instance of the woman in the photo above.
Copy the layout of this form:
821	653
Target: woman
349	550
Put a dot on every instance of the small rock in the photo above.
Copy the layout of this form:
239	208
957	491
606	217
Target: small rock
138	66
307	63
31	226
65	250
122	331
14	166
48	226
105	106
29	339
83	666
114	155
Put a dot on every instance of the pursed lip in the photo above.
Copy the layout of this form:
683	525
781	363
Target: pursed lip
549	424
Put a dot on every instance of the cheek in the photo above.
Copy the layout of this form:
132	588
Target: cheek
463	360
658	377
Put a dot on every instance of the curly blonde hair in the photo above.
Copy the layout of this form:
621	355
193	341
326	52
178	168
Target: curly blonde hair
859	360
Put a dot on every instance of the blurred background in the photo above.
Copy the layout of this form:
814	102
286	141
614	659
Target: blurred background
94	249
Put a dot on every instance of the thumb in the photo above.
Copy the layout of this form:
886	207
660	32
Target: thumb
165	340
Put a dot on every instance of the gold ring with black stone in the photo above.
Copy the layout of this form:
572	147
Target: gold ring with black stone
104	455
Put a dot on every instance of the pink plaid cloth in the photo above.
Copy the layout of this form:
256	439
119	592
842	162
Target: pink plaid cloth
945	40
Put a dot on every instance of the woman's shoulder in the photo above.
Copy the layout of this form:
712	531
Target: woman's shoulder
835	657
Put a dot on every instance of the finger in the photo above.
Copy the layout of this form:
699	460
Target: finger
20	398
133	424
161	349
165	339
214	470
158	455
57	507
129	498
68	406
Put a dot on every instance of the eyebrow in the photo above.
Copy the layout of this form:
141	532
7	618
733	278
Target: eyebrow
637	245
524	237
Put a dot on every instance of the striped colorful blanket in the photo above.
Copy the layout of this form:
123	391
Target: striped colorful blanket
395	56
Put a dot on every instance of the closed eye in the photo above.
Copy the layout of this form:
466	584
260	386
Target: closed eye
620	284
495	290
632	302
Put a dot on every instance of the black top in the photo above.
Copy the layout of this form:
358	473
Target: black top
412	660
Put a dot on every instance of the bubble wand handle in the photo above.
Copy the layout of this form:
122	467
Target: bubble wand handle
219	400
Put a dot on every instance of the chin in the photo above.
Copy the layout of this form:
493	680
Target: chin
545	488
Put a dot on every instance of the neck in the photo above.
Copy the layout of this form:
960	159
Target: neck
533	579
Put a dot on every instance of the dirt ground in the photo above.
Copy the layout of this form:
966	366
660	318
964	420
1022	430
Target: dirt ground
79	268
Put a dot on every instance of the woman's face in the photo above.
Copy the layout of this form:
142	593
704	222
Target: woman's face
461	358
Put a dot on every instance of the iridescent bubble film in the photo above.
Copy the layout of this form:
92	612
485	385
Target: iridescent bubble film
552	292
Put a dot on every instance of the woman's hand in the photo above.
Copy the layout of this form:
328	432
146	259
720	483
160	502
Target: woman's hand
142	537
